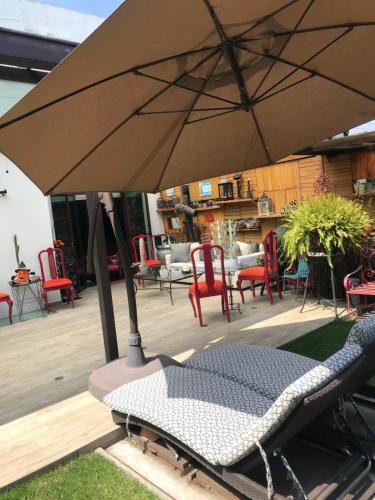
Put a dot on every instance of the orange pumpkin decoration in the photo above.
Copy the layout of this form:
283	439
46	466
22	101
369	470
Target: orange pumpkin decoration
22	275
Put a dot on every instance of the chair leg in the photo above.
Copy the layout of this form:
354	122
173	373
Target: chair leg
199	310
252	284
72	292
348	304
10	306
269	292
239	286
225	300
192	304
45	298
222	304
278	288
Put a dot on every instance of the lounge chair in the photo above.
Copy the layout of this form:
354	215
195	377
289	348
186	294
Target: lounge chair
231	407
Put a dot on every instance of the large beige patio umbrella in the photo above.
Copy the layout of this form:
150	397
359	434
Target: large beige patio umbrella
170	91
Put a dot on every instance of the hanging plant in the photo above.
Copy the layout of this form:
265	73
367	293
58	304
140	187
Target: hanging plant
322	184
326	224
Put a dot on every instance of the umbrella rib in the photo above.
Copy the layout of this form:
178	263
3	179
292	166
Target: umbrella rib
268	96
185	121
277	11
282	48
320	51
228	48
212	116
309	30
191	110
184	87
102	81
312	72
125	120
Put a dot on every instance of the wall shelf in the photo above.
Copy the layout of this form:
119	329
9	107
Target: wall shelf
162	210
273	216
249	230
237	200
200	209
206	208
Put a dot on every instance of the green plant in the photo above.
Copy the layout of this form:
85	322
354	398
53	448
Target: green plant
326	224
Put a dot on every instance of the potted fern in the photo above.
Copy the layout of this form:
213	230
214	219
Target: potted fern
325	226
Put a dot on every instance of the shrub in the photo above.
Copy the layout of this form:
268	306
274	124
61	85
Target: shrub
327	223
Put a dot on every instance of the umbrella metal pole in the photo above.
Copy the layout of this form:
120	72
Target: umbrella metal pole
136	355
96	260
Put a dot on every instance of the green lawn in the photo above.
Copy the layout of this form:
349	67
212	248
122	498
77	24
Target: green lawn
323	342
89	477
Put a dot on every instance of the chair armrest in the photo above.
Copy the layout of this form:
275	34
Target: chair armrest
348	283
168	260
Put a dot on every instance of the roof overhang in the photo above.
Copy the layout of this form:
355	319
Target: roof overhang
23	54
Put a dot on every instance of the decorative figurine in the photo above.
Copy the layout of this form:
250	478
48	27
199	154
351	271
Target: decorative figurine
238	178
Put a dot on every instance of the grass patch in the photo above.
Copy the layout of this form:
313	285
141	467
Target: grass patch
89	477
323	342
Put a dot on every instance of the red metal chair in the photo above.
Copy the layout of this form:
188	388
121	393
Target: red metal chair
361	282
5	297
148	242
266	273
55	282
114	265
210	287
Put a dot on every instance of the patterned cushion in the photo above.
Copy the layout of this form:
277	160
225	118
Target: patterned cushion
223	417
362	333
211	414
263	369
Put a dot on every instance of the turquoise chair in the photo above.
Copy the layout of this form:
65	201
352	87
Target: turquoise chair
301	274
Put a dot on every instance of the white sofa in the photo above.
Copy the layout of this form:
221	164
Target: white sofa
240	262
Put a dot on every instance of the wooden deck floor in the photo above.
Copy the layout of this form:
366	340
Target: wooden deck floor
46	363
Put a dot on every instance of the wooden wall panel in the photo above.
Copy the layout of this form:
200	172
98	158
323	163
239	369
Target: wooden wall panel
291	179
363	165
308	169
338	169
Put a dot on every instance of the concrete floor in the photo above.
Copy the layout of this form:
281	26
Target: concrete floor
45	360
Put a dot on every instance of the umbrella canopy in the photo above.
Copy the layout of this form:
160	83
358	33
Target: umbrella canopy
171	91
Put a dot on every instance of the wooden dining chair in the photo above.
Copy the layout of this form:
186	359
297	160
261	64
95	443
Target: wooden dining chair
267	273
210	287
55	282
5	297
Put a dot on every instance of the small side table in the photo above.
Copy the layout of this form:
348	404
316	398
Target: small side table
20	298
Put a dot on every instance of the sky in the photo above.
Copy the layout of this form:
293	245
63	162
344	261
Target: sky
102	8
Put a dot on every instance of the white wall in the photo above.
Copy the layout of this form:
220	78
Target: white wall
31	16
156	219
24	211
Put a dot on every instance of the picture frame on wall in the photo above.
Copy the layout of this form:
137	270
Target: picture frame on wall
170	192
205	188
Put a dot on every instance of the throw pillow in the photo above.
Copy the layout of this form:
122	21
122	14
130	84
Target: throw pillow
254	247
244	248
180	252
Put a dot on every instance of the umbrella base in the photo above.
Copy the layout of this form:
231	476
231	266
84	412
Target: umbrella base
116	373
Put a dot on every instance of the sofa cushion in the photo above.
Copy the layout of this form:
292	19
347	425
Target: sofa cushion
263	369
211	414
180	252
362	333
